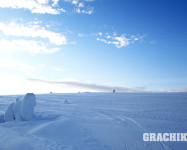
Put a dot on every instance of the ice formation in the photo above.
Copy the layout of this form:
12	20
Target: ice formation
21	109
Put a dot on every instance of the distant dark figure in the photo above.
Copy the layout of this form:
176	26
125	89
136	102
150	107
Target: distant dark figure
66	101
114	91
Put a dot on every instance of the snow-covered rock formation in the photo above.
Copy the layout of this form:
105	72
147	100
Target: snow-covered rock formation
21	109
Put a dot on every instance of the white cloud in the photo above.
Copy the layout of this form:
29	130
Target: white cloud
8	63
75	2
118	41
62	10
88	11
55	3
32	30
35	6
108	37
47	6
58	69
45	9
82	6
100	33
43	1
25	46
81	34
36	22
78	10
102	40
122	41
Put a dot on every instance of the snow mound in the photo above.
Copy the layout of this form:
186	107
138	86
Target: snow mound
21	109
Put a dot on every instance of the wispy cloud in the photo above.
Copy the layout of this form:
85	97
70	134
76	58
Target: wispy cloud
35	6
55	3
82	6
58	69
118	41
81	34
152	42
32	30
25	46
8	63
174	90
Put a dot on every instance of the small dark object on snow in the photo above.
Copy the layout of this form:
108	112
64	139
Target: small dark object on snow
66	102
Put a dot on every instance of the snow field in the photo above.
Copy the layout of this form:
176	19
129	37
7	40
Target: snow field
96	121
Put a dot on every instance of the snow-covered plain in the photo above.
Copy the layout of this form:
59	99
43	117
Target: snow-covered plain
96	121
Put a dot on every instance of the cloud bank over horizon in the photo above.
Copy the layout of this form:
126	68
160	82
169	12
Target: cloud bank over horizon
18	85
89	87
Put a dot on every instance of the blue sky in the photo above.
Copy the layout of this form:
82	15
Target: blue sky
93	45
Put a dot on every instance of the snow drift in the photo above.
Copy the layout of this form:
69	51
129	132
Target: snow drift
21	109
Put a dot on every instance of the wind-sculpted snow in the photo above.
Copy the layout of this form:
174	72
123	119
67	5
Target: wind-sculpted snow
21	109
96	121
